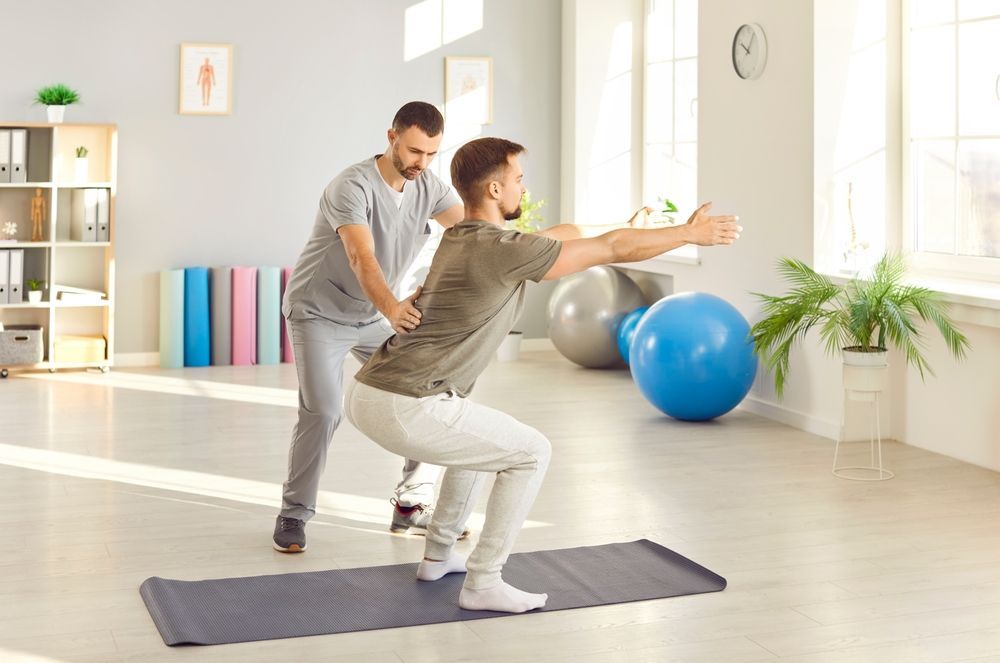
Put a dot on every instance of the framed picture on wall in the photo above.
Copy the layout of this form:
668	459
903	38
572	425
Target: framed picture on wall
468	89
206	79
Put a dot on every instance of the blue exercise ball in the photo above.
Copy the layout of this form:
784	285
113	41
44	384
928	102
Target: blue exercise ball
692	356
626	330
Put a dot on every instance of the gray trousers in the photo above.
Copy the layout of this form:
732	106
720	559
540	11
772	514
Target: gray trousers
470	440
320	347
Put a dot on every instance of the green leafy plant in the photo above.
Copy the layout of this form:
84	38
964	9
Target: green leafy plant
57	95
34	284
81	152
864	315
669	209
530	219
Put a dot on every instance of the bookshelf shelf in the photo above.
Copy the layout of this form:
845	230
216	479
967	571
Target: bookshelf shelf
58	258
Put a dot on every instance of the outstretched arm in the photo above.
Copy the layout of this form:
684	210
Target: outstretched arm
636	244
568	231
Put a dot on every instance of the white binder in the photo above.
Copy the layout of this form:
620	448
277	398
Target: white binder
83	215
103	215
4	155
15	284
18	155
4	274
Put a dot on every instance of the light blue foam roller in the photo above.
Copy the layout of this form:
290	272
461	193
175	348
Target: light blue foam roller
268	315
197	329
172	318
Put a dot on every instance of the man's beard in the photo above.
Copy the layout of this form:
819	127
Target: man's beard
397	163
516	214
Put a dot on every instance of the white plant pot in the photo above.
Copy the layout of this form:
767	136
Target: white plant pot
55	113
865	373
510	348
35	296
81	169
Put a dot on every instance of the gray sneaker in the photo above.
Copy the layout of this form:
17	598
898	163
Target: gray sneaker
416	517
289	535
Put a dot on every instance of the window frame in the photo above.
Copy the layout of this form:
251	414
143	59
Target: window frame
942	266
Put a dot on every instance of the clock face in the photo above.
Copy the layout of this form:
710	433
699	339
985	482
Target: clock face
749	51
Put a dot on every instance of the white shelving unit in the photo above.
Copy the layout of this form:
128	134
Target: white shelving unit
58	259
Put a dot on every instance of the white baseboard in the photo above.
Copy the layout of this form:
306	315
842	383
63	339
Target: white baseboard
132	359
793	418
537	345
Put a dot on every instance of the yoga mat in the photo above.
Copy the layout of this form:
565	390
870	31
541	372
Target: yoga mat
244	316
268	315
287	353
208	612
197	332
172	318
222	316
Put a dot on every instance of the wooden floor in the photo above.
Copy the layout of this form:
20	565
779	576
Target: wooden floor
109	479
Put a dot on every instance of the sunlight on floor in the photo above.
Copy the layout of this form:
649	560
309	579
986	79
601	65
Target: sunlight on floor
367	510
179	386
24	657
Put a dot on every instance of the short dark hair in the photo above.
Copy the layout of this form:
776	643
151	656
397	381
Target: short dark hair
419	114
478	162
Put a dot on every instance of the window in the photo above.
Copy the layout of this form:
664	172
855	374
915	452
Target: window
951	183
670	108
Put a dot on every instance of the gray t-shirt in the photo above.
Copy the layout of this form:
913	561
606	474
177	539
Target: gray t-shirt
323	284
472	297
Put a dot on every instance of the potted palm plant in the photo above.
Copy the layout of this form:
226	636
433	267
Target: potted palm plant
56	98
860	319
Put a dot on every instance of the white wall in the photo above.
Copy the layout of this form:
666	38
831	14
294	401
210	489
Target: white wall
315	87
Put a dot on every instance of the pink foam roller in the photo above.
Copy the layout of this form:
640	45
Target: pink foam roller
244	316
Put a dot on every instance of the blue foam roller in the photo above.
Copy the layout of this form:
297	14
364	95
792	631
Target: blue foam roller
268	315
197	330
172	318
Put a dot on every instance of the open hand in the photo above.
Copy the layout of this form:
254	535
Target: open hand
404	316
707	230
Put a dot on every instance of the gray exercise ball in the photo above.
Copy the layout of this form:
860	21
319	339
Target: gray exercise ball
584	313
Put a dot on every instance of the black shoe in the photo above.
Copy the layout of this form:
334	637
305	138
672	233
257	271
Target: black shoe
289	535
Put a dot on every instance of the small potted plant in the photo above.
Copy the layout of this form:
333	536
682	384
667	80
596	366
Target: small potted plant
35	288
860	320
529	221
665	215
56	98
81	168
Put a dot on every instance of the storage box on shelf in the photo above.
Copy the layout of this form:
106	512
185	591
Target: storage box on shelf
65	227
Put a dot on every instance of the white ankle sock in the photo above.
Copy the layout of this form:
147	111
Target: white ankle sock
501	598
428	570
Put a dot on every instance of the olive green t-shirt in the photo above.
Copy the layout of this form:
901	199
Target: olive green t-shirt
472	297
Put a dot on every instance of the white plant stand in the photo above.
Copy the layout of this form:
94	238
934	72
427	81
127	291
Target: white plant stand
864	383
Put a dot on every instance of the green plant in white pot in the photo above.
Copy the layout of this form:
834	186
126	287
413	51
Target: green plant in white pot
860	319
35	288
81	166
529	221
56	98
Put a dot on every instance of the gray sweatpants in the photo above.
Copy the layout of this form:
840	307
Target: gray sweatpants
320	347
469	440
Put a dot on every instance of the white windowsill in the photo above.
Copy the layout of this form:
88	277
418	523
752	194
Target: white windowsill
660	264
